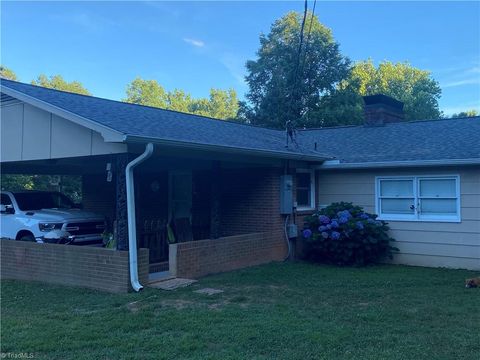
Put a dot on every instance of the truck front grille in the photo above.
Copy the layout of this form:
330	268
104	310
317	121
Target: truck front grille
85	228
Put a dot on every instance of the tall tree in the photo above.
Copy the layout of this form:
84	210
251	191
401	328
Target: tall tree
7	73
59	83
468	113
414	87
287	84
146	92
220	105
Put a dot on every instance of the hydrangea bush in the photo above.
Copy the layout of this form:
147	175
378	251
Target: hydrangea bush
344	234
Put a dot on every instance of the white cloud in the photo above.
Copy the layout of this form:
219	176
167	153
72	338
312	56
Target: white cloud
89	22
235	65
456	83
194	42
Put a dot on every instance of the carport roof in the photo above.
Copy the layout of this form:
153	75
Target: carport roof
137	123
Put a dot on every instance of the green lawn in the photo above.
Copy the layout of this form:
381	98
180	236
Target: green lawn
279	311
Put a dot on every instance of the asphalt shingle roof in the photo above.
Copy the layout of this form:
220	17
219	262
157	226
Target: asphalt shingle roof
407	141
150	122
445	139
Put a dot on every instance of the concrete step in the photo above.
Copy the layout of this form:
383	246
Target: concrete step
171	284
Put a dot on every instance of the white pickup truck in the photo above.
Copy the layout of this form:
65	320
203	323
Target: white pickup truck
47	216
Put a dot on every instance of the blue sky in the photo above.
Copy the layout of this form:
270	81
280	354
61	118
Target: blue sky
198	45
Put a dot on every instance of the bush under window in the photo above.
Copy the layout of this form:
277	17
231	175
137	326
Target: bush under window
344	234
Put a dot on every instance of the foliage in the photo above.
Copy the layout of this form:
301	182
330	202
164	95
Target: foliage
468	113
67	184
414	87
7	73
344	234
283	88
289	310
59	83
222	104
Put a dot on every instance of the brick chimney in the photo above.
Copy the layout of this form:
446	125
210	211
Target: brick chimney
382	109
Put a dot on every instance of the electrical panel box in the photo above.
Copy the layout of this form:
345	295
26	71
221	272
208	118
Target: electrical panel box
286	194
292	231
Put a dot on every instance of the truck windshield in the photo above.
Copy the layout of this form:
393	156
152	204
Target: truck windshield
42	200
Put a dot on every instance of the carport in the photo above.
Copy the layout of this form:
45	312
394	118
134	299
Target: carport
218	179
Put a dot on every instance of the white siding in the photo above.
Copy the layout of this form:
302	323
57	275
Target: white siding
11	128
29	133
455	245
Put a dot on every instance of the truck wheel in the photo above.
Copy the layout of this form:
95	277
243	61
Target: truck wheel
27	237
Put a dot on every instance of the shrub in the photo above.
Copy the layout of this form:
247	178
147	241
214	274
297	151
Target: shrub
344	234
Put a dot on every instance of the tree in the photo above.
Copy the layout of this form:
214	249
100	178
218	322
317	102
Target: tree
146	92
59	83
288	85
70	185
468	113
7	73
220	105
414	87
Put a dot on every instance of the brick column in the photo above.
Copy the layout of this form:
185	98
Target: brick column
121	229
215	225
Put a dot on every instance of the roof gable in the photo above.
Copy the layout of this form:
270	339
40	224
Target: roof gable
136	122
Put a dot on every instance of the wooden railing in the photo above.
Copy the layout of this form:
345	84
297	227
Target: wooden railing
154	237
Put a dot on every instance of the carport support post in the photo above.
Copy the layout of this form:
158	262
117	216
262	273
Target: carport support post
215	194
121	230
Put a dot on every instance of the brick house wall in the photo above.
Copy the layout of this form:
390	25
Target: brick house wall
250	201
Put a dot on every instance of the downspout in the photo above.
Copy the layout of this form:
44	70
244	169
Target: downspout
132	226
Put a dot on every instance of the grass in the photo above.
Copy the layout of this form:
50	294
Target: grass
280	311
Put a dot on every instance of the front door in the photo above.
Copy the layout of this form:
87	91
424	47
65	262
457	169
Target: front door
180	195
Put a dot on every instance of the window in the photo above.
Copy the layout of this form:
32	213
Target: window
305	189
5	200
418	198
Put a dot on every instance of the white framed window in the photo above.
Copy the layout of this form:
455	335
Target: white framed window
418	198
305	180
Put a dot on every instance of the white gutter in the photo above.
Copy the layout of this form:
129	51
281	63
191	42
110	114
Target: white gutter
227	149
335	164
132	226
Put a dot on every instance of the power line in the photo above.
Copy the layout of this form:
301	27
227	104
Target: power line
290	125
308	36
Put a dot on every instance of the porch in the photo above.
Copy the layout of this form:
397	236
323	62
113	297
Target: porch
196	212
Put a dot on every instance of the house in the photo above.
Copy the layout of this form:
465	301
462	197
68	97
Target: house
144	167
422	177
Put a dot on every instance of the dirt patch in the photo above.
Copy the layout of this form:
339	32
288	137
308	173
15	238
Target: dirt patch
178	304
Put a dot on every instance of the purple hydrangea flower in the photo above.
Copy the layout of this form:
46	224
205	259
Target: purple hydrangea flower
334	223
307	233
364	216
322	228
343	219
359	225
335	235
370	221
324	219
344	213
325	235
329	227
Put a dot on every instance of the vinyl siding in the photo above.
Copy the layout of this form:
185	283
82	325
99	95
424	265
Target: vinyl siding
446	244
29	133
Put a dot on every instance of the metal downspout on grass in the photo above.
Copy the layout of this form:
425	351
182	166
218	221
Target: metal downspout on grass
132	226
